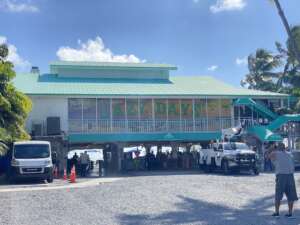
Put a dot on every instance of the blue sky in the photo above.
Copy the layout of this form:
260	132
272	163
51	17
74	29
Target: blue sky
201	37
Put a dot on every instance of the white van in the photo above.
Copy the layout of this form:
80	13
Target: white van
32	159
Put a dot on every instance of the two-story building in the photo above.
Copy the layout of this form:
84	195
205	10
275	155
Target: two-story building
100	103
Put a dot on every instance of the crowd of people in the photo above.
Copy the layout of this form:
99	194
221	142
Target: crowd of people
171	160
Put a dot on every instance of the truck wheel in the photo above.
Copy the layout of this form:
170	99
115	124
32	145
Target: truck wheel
225	167
50	179
256	171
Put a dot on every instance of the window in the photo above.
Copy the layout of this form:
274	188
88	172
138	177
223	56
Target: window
146	108
31	151
75	114
118	108
103	108
186	109
225	108
213	107
200	108
160	108
75	108
132	108
173	109
89	108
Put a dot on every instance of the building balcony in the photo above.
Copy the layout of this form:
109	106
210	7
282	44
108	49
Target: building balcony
89	126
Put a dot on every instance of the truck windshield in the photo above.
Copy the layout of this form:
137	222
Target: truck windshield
235	146
31	151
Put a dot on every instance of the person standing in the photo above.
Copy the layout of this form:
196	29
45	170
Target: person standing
84	161
285	182
74	162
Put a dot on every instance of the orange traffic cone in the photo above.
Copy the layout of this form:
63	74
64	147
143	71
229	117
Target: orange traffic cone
73	175
65	174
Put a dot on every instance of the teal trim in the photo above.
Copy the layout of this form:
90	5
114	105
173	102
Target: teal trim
109	65
135	137
282	120
258	107
264	134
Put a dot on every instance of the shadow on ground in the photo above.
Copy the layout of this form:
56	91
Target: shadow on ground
191	211
182	172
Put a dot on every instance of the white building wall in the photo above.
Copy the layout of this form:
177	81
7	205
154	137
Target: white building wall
43	107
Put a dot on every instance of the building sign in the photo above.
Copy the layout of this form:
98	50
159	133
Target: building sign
146	108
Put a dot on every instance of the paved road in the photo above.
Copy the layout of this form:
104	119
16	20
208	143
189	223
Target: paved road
153	199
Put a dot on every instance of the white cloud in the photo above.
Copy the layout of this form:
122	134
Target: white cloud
13	56
195	1
18	6
93	50
227	5
213	68
241	61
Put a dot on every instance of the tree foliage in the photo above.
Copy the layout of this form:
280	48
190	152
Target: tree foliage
14	105
277	72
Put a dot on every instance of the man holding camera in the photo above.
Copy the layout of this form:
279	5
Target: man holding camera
285	182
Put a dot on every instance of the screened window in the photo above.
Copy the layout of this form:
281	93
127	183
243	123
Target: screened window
213	107
75	108
173	109
118	108
200	108
225	108
186	109
103	108
89	108
132	108
146	108
160	108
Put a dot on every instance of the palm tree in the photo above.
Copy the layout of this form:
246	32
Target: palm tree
262	70
293	43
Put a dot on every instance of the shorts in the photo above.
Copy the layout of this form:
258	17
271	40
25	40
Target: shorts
285	184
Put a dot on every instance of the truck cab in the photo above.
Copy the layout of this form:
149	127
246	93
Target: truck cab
31	160
228	156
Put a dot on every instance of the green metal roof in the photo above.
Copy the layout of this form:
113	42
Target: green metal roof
110	65
50	84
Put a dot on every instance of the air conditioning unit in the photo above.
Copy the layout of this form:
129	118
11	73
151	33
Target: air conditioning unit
53	126
37	129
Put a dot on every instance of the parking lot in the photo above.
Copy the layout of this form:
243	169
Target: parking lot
151	198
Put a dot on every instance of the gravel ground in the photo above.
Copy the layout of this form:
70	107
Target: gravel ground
169	198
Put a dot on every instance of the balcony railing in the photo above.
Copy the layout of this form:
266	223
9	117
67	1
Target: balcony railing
148	126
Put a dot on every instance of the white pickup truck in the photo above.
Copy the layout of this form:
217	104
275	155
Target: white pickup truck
228	156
